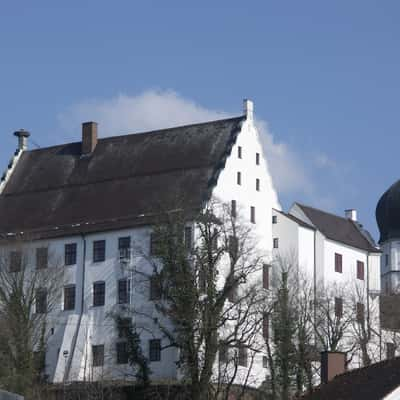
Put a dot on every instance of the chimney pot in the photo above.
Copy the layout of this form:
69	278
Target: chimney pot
351	214
22	136
332	363
248	108
89	137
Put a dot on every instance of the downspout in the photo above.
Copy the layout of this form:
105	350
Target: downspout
315	281
368	311
78	325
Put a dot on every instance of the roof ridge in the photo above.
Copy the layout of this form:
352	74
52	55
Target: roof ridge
323	211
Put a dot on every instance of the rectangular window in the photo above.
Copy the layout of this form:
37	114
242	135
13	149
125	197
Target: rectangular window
338	262
390	350
265	361
360	312
233	294
124	291
266	326
276	243
239	178
386	259
274	219
233	209
252	215
338	307
41	301
99	250
188	238
239	152
99	294
257	158
257	185
266	276
155	244
223	352
155	288
41	257
69	297
360	270
122	353
242	356
155	350
15	261
124	248
98	355
233	244
70	254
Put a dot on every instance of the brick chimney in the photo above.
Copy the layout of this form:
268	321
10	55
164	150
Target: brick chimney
332	363
22	136
89	137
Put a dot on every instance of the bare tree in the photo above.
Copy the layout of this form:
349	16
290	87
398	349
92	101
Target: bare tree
29	290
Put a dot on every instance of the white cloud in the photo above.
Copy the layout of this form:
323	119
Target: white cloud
161	109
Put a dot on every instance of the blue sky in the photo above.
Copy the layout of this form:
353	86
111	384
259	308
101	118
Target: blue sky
324	77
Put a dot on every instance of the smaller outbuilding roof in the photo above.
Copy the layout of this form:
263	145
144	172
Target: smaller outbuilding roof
374	382
339	229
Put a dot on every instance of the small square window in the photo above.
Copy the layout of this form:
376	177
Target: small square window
155	350
69	298
99	250
239	151
257	185
239	178
70	254
15	261
122	353
257	158
98	355
41	257
252	215
338	263
276	243
99	294
274	219
360	270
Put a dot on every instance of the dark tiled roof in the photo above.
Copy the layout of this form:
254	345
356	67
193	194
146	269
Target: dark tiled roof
338	228
369	383
123	182
390	312
297	220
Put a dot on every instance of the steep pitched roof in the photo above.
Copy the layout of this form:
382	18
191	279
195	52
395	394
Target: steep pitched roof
57	191
338	228
369	383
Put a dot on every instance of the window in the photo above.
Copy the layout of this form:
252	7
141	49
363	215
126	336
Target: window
98	355
223	352
124	248
99	250
99	294
233	294
239	178
155	350
240	152
252	215
266	326
124	327
70	254
122	353
265	362
360	270
242	357
233	209
386	259
257	185
41	301
15	261
155	288
266	276
276	243
41	257
233	244
274	219
360	312
257	158
338	263
124	291
69	297
155	244
188	238
390	350
338	307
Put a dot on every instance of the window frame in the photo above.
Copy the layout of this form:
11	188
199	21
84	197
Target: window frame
239	178
252	214
69	305
70	253
338	263
41	303
124	251
121	348
99	251
275	243
99	295
42	257
266	268
257	184
97	355
240	152
15	262
257	158
360	270
154	350
338	307
127	291
242	355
